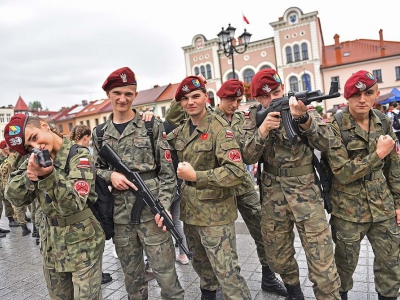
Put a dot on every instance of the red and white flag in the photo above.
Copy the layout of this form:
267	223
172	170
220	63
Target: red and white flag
245	19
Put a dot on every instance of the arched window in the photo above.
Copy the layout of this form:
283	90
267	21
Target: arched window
304	51
230	75
289	55
296	50
196	71
203	71
209	75
294	85
306	82
248	75
265	67
211	98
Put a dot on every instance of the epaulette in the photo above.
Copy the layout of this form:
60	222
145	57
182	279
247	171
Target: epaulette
221	120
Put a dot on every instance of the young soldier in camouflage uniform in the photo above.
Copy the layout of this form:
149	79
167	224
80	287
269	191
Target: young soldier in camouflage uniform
9	210
211	166
72	240
365	191
248	201
290	194
126	133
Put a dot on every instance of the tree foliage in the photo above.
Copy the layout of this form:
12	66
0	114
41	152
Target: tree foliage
35	105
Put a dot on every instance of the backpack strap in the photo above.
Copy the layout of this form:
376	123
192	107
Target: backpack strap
149	126
100	134
383	119
72	151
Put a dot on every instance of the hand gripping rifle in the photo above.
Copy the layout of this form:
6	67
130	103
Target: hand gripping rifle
143	195
282	105
42	157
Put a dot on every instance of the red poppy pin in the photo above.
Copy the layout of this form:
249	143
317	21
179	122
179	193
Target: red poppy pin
247	115
234	155
167	155
204	136
82	187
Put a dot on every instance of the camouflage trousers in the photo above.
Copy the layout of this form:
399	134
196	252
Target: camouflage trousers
249	207
385	241
84	284
9	210
289	201
20	213
130	241
215	259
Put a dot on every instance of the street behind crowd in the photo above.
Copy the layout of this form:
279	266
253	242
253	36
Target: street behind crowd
21	275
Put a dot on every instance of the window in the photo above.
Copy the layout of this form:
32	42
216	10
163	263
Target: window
60	128
203	71
209	75
1	118
306	82
196	71
69	126
378	75
294	85
336	79
87	123
211	98
296	50
163	110
96	121
104	119
265	67
304	51
8	117
81	122
289	57
230	75
248	75
397	73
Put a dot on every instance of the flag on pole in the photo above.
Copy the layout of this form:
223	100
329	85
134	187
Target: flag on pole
245	19
306	81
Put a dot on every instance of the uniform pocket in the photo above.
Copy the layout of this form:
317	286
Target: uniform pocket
207	194
393	247
80	243
318	239
347	245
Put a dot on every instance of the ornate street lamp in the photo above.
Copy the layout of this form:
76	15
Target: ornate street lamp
225	41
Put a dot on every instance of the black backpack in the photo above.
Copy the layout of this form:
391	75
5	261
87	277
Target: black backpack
396	121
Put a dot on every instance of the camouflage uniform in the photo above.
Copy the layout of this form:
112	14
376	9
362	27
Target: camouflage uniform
291	196
365	193
71	239
248	201
9	210
208	206
135	149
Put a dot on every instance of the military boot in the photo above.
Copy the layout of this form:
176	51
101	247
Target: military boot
12	222
208	295
343	295
25	230
27	219
4	230
380	297
2	235
105	278
271	284
34	231
294	292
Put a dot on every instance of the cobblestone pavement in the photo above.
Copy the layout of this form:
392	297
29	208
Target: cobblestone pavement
21	274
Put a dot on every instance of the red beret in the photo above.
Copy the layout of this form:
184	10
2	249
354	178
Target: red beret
231	88
3	144
14	133
264	82
118	78
189	84
358	82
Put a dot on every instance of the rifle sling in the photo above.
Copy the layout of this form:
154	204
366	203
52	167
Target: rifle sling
289	172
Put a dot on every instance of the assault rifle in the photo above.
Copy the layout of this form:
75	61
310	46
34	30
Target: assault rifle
143	195
42	157
282	105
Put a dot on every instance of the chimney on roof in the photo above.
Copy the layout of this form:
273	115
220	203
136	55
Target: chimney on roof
156	86
337	42
84	102
381	40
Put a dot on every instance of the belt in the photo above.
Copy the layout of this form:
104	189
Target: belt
78	217
372	176
148	175
289	172
190	183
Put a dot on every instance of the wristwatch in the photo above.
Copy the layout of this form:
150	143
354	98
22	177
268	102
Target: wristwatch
303	119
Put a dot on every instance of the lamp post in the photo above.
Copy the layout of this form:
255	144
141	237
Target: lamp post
226	38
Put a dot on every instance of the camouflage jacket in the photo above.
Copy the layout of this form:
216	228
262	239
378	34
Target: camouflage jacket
134	147
353	198
75	246
215	155
6	167
277	150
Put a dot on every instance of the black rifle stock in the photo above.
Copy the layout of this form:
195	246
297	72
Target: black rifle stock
282	105
143	195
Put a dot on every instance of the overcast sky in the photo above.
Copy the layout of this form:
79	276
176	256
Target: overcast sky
60	52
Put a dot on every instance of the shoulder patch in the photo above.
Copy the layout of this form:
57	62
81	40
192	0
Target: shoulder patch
82	187
234	155
229	134
83	163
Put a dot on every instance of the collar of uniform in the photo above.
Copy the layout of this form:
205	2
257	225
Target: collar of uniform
204	125
348	121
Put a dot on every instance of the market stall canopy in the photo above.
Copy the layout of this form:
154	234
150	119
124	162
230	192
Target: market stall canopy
384	97
395	97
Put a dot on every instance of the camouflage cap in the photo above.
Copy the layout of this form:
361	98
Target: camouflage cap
264	82
118	78
359	82
231	88
189	84
14	133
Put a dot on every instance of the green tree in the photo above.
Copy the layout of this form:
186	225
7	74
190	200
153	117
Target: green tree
319	109
35	105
